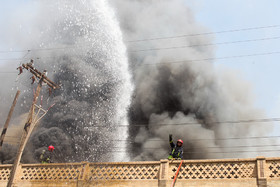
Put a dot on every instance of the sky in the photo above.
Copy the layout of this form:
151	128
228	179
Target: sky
261	71
220	15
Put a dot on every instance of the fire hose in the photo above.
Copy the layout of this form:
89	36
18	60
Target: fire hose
173	183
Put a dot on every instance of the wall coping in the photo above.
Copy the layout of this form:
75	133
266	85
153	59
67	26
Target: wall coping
146	162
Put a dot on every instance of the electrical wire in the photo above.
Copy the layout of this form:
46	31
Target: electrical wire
220	152
231	152
209	147
210	139
151	49
181	61
205	33
203	45
210	59
264	120
201	139
169	37
214	147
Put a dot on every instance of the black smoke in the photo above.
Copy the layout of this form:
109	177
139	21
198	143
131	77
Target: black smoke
174	87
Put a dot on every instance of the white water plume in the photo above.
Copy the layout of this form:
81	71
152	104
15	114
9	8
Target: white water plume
80	44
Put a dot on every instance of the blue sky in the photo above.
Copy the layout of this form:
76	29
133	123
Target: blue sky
261	71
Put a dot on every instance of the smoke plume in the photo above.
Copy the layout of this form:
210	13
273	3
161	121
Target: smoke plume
177	94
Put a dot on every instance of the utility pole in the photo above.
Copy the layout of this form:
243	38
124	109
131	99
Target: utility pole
30	123
8	119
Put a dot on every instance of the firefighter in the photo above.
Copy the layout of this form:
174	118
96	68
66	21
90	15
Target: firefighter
20	70
176	150
33	79
45	157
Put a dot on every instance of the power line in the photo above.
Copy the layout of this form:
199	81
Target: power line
205	33
264	120
209	147
253	151
243	151
151	49
220	152
204	45
202	139
208	139
198	147
194	152
217	58
216	152
181	61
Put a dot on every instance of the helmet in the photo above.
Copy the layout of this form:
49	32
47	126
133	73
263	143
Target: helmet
181	141
51	148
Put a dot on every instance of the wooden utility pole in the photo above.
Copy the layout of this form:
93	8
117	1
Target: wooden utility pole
8	119
29	125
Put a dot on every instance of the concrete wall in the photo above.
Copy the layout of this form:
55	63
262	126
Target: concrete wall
255	172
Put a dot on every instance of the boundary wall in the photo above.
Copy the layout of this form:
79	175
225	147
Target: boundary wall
254	172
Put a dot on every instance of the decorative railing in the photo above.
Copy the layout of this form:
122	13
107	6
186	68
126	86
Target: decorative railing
214	170
158	173
50	172
273	168
5	172
124	171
